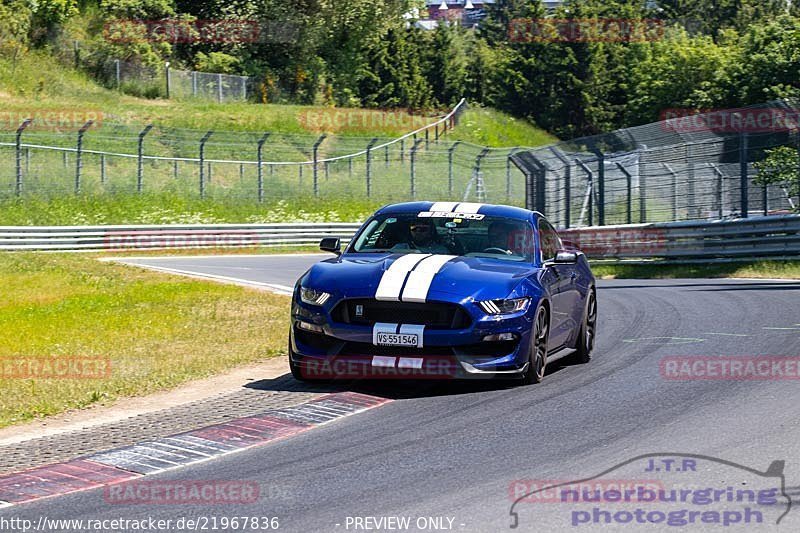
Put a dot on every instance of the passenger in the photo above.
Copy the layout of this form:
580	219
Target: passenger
425	238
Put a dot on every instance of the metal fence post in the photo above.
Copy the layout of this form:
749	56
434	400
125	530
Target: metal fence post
508	174
567	186
743	174
103	169
450	168
540	196
219	88
260	157
629	192
674	191
20	129
427	141
436	133
78	156
402	151
202	163
175	169
413	157
642	184
386	155
720	206
588	203
601	188
369	164
117	73
476	173
194	83
315	151
140	156
169	81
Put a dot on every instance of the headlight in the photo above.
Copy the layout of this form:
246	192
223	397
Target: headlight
504	307
313	296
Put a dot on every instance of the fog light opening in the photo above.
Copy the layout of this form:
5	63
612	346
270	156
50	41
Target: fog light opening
306	326
500	337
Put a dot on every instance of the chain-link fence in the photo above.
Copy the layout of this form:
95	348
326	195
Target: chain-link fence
686	167
143	80
119	159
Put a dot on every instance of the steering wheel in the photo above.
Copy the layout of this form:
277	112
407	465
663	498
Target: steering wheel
498	250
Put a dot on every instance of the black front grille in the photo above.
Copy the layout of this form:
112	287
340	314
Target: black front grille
434	315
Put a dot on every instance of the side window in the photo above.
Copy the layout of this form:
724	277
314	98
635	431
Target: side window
549	240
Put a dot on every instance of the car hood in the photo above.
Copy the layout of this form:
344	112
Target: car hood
457	279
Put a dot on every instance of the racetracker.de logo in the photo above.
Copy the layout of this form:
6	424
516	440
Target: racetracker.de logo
55	367
61	120
381	367
191	239
210	492
612	242
584	30
742	120
355	120
180	31
730	368
594	490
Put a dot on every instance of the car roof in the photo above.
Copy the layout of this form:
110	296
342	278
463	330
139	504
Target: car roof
496	210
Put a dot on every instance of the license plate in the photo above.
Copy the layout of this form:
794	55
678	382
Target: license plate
398	339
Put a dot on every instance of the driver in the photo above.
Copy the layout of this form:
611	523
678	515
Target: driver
498	236
425	238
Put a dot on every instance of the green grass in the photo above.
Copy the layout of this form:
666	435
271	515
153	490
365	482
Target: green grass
173	209
748	269
157	330
39	82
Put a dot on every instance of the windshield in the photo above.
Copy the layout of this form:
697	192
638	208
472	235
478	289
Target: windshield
477	236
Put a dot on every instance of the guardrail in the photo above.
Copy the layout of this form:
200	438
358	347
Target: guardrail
152	237
751	238
755	237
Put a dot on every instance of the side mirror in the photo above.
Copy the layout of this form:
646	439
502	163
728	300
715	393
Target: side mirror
564	257
331	244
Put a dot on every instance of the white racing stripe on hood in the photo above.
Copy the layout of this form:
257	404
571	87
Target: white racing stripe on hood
392	280
419	281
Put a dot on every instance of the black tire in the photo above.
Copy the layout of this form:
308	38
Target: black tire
588	332
540	333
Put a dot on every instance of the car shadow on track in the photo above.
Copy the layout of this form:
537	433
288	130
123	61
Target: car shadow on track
400	389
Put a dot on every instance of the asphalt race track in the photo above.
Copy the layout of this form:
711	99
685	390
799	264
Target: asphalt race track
457	450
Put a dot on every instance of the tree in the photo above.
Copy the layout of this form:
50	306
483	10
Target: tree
781	167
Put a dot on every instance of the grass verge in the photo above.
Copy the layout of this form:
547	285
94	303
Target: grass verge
748	269
166	208
157	330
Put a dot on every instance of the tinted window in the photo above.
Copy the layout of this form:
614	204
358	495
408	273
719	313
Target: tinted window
550	242
480	236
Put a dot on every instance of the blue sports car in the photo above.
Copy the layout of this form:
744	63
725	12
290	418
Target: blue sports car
443	290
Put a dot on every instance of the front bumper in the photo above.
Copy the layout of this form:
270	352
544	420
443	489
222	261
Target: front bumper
346	350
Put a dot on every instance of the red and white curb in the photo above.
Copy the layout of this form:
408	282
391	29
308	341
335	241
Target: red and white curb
166	453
